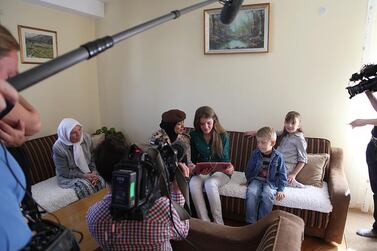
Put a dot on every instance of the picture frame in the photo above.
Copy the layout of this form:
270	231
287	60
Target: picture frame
37	45
248	33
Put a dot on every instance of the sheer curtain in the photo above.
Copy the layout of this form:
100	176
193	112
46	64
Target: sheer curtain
361	108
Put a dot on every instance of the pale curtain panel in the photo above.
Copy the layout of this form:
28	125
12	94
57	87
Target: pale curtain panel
361	108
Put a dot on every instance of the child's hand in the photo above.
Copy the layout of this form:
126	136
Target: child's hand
279	196
250	133
290	178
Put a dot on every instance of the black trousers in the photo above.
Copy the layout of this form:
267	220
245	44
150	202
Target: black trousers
371	156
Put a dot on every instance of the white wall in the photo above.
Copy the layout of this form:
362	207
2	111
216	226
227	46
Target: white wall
71	93
310	60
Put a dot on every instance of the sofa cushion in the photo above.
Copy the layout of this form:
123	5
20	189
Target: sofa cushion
269	238
50	196
318	200
314	171
38	153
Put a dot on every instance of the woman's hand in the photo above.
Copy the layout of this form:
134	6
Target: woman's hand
184	169
92	177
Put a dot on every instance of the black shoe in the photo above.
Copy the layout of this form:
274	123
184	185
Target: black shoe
371	233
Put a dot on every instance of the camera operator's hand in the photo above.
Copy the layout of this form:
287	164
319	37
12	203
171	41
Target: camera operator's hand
7	92
12	135
359	122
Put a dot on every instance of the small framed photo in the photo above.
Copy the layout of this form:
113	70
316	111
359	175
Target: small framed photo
248	33
37	45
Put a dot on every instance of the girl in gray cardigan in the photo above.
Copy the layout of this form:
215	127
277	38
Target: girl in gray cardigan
72	156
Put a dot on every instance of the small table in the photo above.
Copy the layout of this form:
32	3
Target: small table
74	216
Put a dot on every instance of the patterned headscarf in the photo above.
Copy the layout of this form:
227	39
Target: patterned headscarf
64	131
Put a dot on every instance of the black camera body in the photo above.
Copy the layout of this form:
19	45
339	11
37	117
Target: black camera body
136	180
366	80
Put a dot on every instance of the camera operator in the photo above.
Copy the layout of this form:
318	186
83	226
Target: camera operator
371	158
152	233
21	121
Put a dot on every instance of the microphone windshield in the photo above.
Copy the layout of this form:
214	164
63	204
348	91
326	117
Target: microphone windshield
230	10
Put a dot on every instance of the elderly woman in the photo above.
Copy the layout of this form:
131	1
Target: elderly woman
73	159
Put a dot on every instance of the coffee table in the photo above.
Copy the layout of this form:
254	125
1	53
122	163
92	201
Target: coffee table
74	216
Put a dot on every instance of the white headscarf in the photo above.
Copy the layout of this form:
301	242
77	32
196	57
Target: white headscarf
64	131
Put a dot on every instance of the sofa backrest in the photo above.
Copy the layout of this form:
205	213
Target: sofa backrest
241	147
38	153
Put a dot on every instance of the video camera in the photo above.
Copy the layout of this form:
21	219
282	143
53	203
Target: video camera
136	178
366	80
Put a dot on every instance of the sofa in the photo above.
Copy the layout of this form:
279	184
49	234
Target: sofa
323	209
40	169
278	231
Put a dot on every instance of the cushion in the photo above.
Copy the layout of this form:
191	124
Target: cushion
319	199
269	238
314	171
50	196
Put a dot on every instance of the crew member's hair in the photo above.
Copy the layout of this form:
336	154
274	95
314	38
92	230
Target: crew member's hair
7	42
108	153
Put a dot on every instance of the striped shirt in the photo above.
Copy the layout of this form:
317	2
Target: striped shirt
263	173
153	233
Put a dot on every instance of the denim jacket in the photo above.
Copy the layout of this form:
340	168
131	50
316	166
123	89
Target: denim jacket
277	175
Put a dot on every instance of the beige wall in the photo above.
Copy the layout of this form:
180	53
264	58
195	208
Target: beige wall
310	60
71	93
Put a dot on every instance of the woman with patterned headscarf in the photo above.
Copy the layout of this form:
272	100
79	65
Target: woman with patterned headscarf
73	159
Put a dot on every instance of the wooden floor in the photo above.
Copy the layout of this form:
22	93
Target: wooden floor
316	244
72	215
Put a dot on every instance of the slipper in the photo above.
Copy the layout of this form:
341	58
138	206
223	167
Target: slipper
370	233
295	183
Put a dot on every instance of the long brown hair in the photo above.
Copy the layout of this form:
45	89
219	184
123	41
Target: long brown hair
217	130
292	115
7	42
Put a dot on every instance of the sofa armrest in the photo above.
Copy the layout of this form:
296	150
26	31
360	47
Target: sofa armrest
339	197
210	236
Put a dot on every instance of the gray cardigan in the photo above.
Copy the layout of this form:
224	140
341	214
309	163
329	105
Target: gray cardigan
67	172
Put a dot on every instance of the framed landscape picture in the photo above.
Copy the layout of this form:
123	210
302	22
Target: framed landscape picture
247	33
37	45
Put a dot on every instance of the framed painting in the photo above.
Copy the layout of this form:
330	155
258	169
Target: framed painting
249	32
37	45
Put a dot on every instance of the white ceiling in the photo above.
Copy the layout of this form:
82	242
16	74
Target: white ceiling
92	8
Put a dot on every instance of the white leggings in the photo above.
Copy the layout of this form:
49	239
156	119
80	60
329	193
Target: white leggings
210	184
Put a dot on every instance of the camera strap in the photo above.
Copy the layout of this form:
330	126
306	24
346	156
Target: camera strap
183	186
183	212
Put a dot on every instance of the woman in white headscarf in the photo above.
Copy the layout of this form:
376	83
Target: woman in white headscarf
72	156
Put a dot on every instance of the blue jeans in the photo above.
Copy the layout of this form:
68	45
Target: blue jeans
260	199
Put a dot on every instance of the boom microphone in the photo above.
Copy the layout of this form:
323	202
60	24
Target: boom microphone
230	10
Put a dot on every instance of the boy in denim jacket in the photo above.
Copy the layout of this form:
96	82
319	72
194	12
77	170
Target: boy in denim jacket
266	176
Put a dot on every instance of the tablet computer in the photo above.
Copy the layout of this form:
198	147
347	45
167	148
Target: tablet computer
214	166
